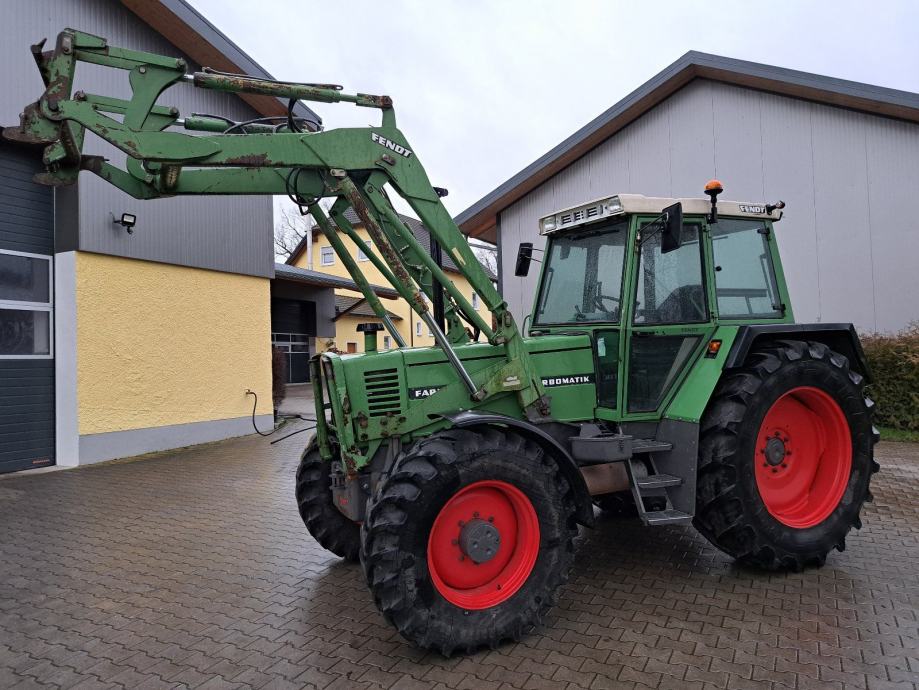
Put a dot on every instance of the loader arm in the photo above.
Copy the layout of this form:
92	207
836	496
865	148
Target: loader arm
353	167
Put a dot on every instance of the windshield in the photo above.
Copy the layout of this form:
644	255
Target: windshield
582	281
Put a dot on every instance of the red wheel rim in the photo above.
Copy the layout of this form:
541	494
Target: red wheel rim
458	578
803	457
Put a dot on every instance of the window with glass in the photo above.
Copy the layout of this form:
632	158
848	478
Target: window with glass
582	281
670	287
475	301
361	256
745	285
326	256
26	305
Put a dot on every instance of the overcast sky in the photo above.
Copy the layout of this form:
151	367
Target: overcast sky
481	89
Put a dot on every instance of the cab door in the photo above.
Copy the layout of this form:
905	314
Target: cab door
668	321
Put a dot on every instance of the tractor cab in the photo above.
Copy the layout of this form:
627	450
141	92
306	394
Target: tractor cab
651	280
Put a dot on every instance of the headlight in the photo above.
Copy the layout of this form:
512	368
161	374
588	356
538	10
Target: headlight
547	224
613	205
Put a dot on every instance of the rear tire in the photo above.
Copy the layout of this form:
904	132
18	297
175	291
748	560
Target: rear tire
414	541
786	457
327	525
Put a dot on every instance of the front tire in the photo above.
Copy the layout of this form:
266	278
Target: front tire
327	525
468	539
786	457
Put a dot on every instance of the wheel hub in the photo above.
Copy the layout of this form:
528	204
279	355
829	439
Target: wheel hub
480	540
775	451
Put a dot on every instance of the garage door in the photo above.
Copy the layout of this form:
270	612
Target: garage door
26	314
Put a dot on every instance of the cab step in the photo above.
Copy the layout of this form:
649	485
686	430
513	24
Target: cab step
650	445
646	485
658	481
600	448
666	517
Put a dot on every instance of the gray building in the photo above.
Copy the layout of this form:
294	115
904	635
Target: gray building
114	344
844	156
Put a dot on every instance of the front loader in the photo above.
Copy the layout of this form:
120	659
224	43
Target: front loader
662	376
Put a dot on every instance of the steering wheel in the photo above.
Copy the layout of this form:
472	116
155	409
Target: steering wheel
599	302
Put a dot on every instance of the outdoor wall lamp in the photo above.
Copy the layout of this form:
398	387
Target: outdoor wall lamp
127	221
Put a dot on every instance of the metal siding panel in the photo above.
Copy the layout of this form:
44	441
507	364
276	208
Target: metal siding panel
692	151
893	172
649	152
738	141
789	175
26	386
609	168
231	234
841	199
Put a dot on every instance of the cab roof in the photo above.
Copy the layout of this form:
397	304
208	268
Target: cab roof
622	204
639	203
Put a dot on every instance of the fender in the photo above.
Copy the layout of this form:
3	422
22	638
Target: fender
569	468
840	337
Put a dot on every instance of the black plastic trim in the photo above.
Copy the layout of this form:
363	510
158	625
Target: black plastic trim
566	463
841	337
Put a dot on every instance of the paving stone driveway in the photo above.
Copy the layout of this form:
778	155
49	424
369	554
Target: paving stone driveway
192	568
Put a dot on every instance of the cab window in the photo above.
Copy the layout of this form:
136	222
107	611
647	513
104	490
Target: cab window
582	281
744	278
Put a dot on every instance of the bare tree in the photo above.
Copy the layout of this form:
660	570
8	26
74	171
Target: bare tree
289	230
486	253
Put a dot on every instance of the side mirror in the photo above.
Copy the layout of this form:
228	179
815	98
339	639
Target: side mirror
524	258
672	234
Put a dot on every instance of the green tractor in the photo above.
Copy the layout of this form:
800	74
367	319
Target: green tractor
662	374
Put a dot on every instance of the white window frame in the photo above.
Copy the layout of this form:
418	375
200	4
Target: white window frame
475	300
326	259
418	330
34	306
360	254
387	342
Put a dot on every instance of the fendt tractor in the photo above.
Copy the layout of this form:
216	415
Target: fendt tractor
662	373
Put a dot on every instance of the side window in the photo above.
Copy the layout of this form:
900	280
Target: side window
670	287
654	365
744	278
607	349
326	256
26	304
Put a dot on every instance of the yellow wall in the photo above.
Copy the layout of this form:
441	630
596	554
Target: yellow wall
159	344
407	325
